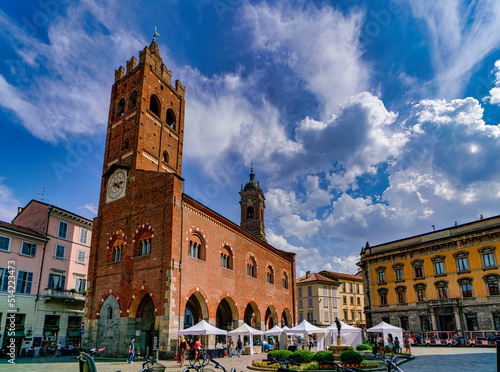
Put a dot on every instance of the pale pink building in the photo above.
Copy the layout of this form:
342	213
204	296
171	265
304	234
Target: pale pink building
51	263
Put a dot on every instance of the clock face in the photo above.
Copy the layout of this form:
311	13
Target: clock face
116	185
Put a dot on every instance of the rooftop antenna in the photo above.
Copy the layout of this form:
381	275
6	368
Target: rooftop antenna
42	194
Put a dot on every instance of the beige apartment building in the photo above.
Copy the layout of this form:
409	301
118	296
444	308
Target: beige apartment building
323	296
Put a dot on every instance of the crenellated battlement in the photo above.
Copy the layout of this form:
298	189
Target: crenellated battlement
150	56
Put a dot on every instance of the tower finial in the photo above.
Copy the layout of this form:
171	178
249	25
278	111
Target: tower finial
251	167
156	34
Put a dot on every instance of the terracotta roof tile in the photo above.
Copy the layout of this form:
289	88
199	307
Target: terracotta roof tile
20	229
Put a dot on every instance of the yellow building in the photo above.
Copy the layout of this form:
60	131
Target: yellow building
447	280
324	296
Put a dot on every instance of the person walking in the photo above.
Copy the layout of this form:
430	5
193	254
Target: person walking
58	350
131	350
397	346
230	346
183	346
239	346
390	343
380	342
197	347
407	345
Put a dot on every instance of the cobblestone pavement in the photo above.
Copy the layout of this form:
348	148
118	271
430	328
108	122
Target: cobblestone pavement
428	359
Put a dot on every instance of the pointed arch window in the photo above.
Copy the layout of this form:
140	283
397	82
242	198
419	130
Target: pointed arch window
270	274
170	120
143	240
117	253
154	105
132	100
110	312
251	267
284	280
226	258
120	109
196	247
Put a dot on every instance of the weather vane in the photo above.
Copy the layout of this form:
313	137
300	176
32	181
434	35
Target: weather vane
156	34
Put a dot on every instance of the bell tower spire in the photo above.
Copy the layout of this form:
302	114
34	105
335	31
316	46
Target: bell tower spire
252	207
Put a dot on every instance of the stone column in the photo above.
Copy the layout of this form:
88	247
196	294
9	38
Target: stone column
458	322
433	320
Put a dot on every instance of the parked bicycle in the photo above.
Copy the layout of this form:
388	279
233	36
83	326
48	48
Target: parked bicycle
284	363
206	367
391	363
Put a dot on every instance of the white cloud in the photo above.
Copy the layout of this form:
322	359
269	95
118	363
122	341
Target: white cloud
61	77
319	43
8	202
461	34
494	97
90	207
311	259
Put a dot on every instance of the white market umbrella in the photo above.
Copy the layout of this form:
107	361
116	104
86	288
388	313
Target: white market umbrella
350	335
202	328
275	331
245	329
305	328
385	329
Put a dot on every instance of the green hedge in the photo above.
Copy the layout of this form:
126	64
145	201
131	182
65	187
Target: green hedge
305	356
321	355
351	357
279	354
363	347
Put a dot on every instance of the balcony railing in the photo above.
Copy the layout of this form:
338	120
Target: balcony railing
446	302
62	294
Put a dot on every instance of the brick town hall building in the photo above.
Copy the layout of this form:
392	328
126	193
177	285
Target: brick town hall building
160	260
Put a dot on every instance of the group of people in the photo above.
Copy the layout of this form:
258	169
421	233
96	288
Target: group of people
184	345
393	345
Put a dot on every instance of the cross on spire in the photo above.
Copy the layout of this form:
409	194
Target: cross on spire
156	34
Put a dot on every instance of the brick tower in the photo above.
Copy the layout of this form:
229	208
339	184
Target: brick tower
252	208
136	245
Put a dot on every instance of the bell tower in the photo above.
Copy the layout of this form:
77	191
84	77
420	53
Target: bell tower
146	117
252	208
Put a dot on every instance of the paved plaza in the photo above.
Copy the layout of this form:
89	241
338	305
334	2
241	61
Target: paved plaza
428	359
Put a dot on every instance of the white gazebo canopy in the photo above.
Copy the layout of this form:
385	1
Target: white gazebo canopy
245	329
202	328
350	335
385	329
275	331
305	328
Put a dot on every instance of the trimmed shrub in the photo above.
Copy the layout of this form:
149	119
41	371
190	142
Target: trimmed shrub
305	356
312	366
363	347
280	354
350	348
321	355
351	357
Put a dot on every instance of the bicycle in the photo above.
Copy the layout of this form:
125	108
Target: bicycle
198	360
149	363
284	364
391	362
204	368
340	368
86	360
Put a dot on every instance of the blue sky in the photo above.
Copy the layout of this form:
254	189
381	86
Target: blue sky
364	120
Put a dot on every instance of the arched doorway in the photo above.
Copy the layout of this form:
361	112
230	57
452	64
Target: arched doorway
286	318
227	314
252	315
271	317
143	310
195	310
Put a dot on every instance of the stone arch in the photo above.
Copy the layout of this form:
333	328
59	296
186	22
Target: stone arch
170	119
137	298
251	314
271	317
155	105
226	255
120	108
113	294
132	100
195	306
226	313
286	318
106	327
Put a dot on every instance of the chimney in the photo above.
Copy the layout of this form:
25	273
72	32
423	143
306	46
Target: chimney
19	210
308	274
